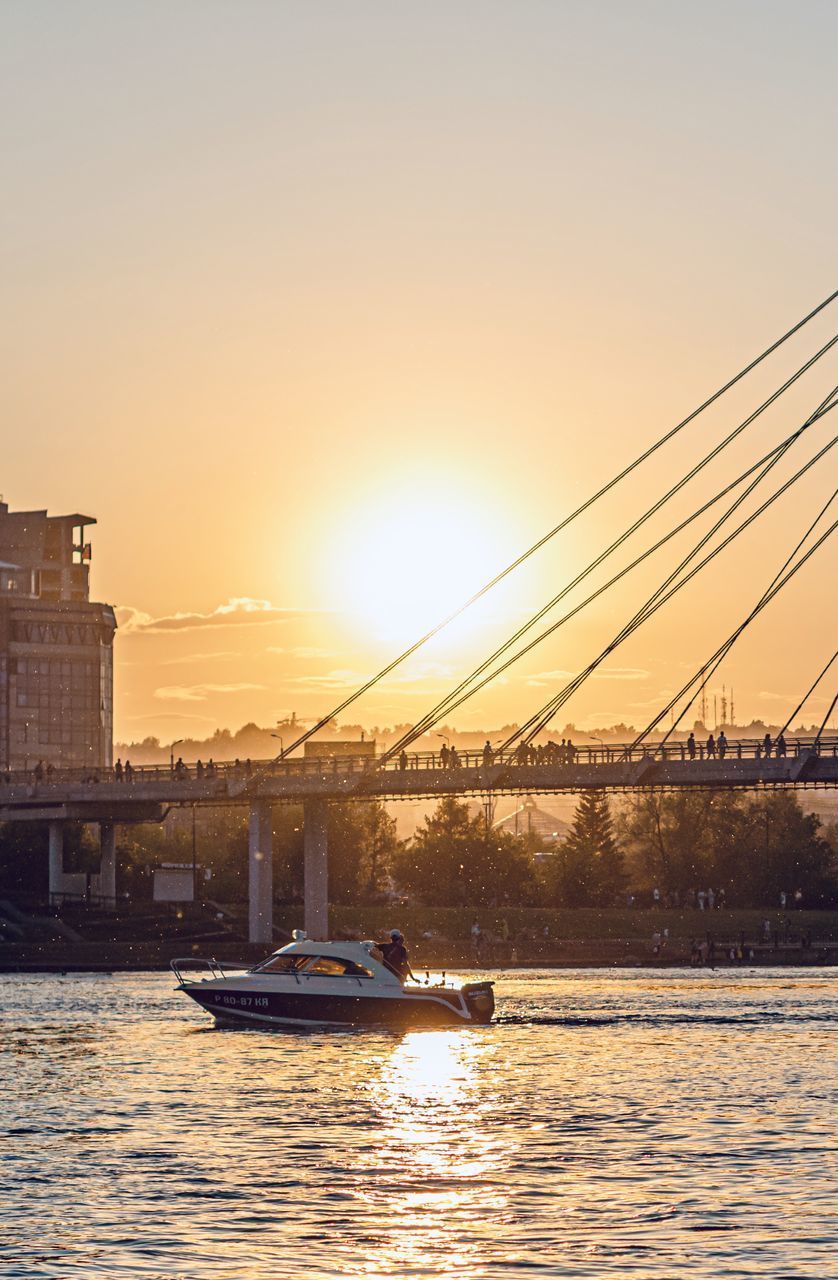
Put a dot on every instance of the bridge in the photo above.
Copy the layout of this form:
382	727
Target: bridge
147	794
526	762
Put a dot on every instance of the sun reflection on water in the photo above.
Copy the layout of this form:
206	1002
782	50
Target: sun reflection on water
432	1171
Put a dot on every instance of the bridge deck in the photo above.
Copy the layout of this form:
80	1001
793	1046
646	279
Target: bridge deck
144	796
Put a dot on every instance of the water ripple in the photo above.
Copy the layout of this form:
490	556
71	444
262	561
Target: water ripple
610	1124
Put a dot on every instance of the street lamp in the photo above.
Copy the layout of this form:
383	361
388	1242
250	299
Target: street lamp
281	740
176	743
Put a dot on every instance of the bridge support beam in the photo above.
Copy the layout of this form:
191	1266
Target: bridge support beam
316	848
260	873
56	861
107	865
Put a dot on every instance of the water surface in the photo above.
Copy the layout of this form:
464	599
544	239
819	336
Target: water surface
610	1124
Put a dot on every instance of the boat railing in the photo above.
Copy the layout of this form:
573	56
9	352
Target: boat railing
217	968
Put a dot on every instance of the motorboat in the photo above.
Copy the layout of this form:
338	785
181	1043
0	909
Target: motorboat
346	984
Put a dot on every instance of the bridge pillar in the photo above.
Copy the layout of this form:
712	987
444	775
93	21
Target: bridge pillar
56	859
260	873
316	848
107	864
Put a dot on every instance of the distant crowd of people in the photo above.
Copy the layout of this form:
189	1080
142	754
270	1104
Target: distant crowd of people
716	747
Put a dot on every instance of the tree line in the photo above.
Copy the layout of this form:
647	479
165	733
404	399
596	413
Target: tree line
748	848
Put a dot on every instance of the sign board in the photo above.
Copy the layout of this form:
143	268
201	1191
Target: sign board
173	884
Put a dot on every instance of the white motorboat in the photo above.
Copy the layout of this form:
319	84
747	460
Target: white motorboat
343	984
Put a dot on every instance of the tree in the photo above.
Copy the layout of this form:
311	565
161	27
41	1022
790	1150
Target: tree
362	842
588	869
752	846
362	845
454	860
786	853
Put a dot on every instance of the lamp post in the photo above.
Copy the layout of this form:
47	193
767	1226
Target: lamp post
176	743
281	742
596	739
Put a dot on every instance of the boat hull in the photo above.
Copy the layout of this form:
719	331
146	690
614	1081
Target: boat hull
244	1005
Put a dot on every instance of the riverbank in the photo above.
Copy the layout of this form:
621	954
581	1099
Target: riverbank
443	939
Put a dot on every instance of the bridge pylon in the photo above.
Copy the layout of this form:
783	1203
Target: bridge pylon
260	872
316	869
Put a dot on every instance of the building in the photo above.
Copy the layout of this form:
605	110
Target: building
56	646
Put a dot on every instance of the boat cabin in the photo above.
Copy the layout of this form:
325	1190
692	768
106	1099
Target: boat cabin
328	960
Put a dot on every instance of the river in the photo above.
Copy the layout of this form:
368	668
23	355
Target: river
632	1123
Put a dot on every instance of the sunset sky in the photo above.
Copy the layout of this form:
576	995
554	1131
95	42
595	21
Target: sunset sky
327	311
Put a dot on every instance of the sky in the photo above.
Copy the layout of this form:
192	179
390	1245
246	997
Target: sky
327	312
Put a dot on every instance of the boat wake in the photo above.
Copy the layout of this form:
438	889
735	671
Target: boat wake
755	1019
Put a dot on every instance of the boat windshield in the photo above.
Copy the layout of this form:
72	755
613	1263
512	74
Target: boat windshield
282	964
332	967
323	966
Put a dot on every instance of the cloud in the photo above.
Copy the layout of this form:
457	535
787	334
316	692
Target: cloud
300	651
189	658
171	715
239	611
657	701
343	678
339	679
541	678
200	692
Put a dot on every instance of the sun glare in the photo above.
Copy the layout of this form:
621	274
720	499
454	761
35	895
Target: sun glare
408	561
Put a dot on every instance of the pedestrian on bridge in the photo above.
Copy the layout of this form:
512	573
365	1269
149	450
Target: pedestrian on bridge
781	747
443	755
766	746
488	755
691	746
722	745
117	770
403	760
711	748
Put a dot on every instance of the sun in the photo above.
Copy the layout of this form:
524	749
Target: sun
410	559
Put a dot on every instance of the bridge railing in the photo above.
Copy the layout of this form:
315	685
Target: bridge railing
563	755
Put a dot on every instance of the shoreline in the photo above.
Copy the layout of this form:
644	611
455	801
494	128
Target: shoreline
142	960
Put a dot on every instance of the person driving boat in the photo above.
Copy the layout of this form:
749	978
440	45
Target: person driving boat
395	957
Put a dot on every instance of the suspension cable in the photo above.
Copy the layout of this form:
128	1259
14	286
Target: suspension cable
825	720
541	719
463	693
808	693
442	707
714	662
589	502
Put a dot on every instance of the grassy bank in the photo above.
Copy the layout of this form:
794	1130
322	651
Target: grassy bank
441	938
572	925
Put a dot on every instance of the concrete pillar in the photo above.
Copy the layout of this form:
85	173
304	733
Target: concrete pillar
316	847
107	864
56	859
260	873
